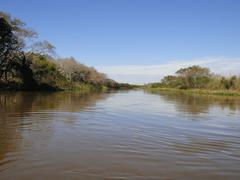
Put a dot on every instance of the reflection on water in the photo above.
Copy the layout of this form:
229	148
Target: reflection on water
118	135
199	145
196	104
16	110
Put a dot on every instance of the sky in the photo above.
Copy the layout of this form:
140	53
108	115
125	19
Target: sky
138	41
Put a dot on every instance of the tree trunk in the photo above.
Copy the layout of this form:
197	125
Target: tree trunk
28	81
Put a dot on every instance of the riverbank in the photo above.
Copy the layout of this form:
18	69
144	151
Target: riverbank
196	91
13	86
65	86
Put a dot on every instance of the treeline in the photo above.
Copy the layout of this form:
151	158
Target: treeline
26	63
197	77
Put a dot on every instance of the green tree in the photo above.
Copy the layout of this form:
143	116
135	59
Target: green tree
194	76
12	57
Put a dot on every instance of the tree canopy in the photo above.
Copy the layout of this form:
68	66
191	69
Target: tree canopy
31	62
196	77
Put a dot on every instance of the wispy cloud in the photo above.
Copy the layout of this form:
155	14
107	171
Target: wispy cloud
140	74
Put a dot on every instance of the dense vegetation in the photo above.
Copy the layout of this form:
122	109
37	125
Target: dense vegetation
198	78
28	64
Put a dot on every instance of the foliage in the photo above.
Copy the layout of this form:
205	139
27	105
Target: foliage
197	77
31	65
76	72
13	61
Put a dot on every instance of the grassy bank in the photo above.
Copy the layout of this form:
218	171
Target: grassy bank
195	91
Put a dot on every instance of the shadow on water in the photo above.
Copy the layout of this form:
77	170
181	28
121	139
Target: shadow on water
196	104
17	107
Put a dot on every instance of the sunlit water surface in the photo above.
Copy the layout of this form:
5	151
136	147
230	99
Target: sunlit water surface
119	135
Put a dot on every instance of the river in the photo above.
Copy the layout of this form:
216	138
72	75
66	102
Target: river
118	135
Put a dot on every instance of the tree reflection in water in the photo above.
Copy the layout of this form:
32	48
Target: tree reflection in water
16	106
196	104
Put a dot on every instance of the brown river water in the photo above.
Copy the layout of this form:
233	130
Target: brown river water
133	135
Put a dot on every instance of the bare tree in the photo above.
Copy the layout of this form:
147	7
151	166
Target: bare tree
43	48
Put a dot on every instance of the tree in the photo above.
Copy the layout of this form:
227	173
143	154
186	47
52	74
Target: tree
76	72
9	48
194	76
43	48
19	29
33	64
12	57
171	81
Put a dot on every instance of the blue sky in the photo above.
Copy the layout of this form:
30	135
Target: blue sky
121	36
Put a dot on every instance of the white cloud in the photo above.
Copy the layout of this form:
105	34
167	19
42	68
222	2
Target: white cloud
140	74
